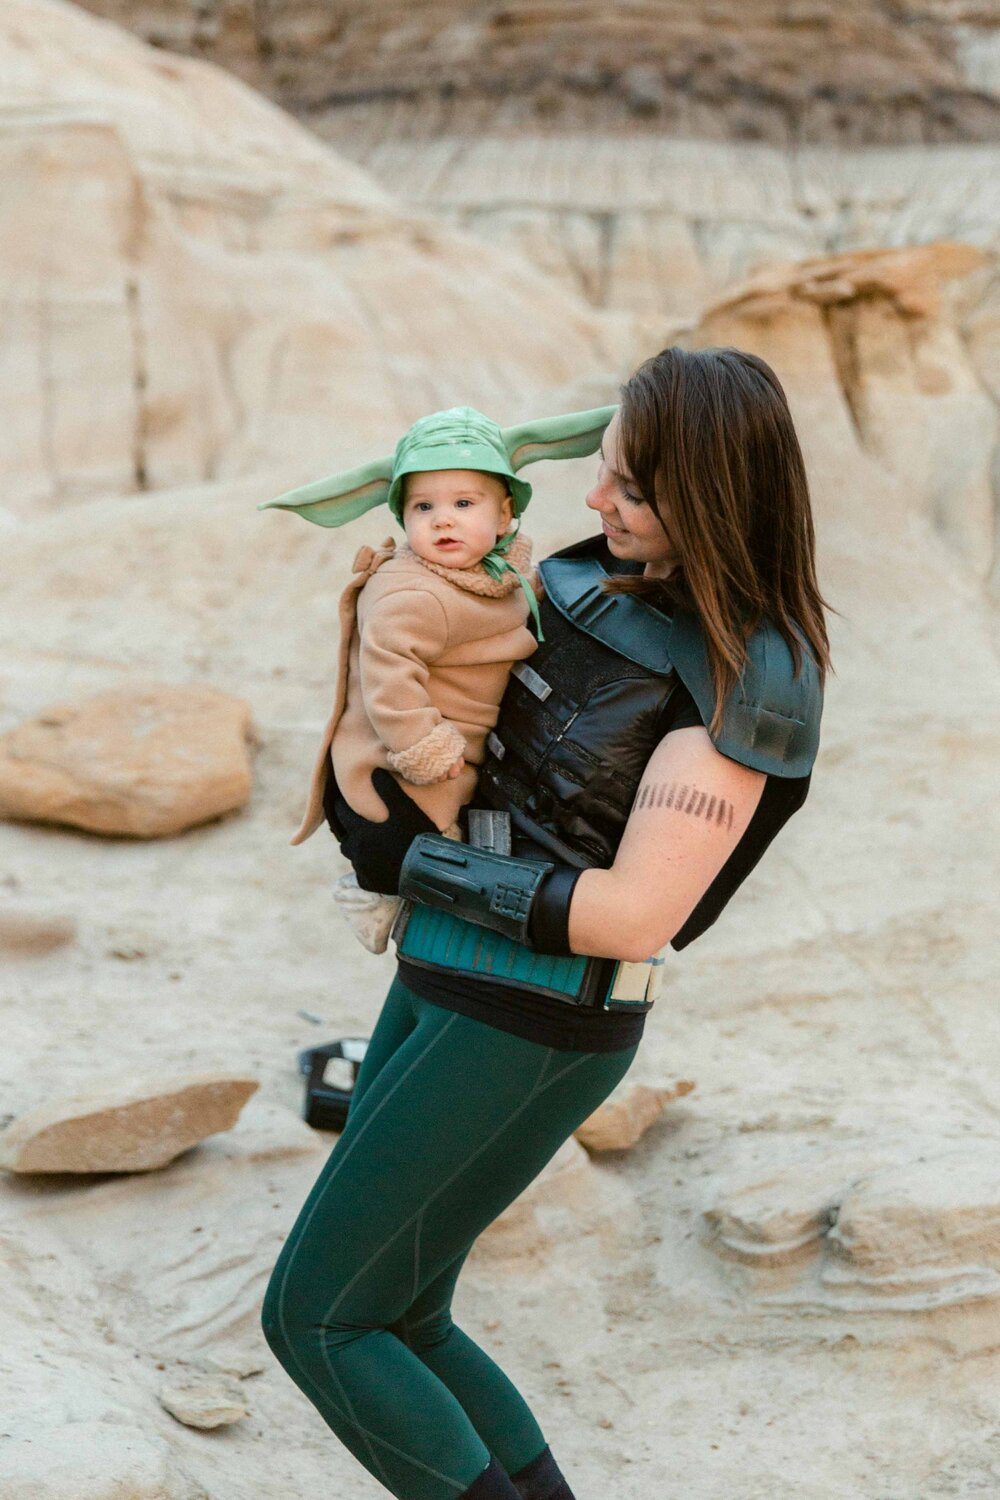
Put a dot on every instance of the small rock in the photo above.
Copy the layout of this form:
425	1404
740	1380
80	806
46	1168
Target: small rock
143	762
24	933
134	1127
620	1121
204	1399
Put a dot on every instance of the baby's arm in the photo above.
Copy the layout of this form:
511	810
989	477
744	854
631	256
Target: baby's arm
399	637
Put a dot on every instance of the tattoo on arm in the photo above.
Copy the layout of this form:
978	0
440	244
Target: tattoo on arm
684	797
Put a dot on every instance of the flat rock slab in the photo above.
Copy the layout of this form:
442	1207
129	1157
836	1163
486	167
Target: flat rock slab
143	761
132	1128
204	1399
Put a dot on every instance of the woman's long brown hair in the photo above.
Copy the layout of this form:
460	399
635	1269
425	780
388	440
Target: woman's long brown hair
708	439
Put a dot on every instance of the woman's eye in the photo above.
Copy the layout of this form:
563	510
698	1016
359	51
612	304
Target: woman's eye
635	499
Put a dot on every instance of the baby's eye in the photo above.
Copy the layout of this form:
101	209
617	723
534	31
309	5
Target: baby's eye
463	502
422	505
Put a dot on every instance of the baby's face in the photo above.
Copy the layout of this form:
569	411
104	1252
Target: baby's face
454	516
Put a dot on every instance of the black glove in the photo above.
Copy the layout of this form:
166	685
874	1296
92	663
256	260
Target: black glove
376	850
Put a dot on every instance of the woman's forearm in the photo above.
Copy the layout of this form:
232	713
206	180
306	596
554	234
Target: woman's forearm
609	918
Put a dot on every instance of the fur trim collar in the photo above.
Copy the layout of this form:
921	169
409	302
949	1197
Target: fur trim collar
476	579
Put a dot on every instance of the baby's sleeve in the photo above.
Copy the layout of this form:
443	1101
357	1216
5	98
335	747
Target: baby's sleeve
400	637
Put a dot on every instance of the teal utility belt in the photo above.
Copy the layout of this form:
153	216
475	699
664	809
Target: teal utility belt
434	939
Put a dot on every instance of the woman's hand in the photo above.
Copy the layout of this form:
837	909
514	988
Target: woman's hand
692	808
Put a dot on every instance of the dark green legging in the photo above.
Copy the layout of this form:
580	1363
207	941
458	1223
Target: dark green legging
449	1121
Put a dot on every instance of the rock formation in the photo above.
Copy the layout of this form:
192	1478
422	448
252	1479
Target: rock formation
227	277
856	73
917	401
646	157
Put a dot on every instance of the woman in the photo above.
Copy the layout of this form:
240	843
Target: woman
661	736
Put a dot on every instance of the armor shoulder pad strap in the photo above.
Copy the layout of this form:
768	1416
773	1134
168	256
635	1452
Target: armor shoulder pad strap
771	718
620	621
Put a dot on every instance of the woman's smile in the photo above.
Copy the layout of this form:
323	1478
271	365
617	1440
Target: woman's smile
644	538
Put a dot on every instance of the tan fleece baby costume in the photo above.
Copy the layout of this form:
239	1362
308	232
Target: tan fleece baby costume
425	654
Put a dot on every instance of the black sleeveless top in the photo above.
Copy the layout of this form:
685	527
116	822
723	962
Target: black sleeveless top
541	1018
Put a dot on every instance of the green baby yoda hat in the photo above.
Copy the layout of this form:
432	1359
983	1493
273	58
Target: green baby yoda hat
460	438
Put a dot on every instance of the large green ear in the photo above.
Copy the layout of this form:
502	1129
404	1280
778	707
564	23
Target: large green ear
340	497
574	435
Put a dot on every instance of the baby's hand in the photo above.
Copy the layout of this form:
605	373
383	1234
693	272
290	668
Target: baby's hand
455	769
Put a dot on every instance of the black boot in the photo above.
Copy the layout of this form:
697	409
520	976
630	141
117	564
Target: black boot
542	1479
492	1484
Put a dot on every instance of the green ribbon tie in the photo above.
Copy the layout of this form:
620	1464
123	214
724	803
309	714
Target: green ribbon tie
497	564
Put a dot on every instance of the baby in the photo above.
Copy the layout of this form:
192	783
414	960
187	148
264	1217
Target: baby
429	631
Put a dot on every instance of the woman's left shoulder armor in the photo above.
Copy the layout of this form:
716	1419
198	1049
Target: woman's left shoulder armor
771	718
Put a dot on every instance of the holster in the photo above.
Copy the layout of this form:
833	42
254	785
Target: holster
437	939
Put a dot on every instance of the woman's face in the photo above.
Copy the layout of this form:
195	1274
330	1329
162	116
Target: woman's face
633	529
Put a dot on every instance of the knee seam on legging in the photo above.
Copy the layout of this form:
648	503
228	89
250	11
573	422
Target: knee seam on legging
287	1269
459	1484
538	1087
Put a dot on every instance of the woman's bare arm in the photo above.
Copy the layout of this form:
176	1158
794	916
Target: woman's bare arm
691	810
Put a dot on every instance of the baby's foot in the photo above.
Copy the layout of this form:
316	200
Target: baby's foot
368	914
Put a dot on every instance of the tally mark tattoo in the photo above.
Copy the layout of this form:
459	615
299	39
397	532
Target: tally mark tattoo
683	797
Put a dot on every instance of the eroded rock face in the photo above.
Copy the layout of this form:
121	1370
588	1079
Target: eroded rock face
743	69
135	1127
144	762
868	1228
912	390
246	296
920	1234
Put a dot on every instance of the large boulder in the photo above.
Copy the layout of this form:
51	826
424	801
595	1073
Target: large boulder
145	762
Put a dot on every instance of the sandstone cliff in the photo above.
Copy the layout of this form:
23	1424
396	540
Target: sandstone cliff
194	286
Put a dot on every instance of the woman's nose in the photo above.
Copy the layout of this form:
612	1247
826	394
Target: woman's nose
598	498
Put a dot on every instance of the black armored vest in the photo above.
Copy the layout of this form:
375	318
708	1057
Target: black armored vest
580	720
